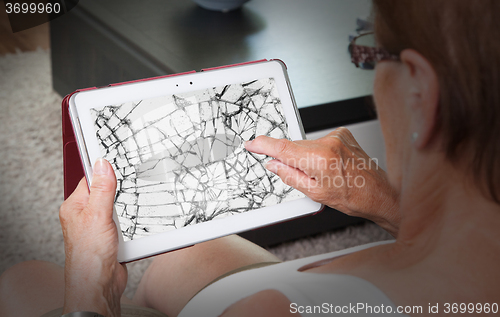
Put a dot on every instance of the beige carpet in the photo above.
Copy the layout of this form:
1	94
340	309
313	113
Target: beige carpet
31	184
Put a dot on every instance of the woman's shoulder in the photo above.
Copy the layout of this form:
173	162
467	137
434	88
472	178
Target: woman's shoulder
347	261
266	303
310	293
327	294
287	284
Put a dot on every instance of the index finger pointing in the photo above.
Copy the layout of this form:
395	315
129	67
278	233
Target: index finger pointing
283	150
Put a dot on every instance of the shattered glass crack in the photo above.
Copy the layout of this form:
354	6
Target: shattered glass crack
179	159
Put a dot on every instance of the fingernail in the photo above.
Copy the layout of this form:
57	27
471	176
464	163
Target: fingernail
247	143
100	167
272	167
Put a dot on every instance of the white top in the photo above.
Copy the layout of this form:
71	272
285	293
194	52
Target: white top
310	294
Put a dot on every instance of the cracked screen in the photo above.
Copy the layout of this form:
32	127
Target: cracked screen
179	159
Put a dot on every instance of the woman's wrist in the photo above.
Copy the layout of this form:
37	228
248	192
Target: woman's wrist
388	215
90	287
89	299
87	296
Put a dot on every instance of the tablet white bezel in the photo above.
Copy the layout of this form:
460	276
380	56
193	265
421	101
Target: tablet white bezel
81	103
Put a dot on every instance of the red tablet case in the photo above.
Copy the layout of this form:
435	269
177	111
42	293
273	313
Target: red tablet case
72	163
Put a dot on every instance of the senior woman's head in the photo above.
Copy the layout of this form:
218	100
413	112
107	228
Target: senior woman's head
443	95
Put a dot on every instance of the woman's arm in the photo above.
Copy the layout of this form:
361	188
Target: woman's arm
94	280
335	171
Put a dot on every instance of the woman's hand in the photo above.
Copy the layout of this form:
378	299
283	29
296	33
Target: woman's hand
94	280
334	171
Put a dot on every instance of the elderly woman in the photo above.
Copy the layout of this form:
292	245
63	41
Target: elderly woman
437	99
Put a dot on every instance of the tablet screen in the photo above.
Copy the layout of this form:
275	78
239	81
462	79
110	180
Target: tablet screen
180	160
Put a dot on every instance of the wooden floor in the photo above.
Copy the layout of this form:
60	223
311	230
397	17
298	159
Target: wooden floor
28	40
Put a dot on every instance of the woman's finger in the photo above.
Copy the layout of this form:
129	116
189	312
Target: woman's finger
292	176
284	150
102	189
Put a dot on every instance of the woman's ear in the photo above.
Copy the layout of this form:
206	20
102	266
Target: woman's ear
423	97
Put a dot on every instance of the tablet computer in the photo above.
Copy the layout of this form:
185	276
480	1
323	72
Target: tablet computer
176	145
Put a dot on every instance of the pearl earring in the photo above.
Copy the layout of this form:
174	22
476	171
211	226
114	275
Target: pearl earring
414	137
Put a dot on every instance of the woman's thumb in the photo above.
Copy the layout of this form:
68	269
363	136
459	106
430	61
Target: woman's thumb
103	187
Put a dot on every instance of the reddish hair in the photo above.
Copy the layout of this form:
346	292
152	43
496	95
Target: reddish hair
460	39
